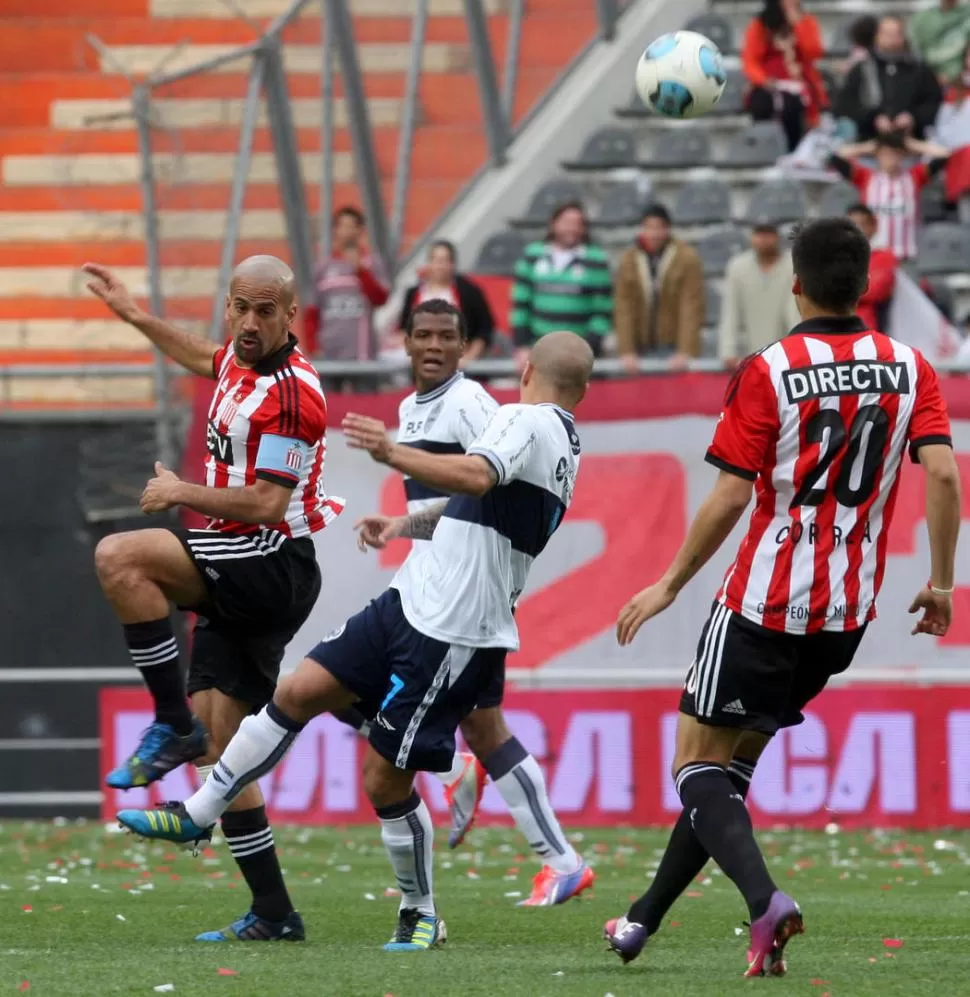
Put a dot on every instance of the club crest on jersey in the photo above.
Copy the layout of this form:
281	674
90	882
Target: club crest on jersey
432	417
849	377
226	412
294	457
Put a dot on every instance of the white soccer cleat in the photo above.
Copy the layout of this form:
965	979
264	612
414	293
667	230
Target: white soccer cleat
464	796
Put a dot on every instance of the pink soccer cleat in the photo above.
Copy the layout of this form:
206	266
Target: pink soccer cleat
550	887
769	936
464	796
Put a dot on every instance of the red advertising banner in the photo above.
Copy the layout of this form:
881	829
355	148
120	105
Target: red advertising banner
866	756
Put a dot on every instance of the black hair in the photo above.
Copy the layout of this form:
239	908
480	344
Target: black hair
437	306
561	210
444	244
348	211
862	209
773	18
830	257
862	31
891	140
658	211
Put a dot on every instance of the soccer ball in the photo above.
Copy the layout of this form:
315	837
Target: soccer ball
681	75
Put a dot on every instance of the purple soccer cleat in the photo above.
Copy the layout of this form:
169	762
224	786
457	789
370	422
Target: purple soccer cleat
770	934
626	938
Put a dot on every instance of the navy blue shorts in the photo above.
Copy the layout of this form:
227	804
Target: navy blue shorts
417	689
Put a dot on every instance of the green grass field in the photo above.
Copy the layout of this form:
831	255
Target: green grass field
84	913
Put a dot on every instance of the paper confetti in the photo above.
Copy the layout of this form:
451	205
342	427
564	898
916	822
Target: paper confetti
23	985
893	943
26	908
164	988
222	971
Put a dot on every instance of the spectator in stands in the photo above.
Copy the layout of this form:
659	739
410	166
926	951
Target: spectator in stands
758	307
873	307
442	280
891	90
562	282
339	324
940	36
953	131
778	57
862	36
659	295
891	191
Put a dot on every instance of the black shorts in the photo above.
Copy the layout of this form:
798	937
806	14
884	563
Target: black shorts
260	590
417	689
747	676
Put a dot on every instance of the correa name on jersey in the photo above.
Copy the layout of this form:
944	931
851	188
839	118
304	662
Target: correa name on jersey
853	377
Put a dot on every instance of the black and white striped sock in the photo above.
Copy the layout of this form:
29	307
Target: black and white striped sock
408	836
250	839
155	654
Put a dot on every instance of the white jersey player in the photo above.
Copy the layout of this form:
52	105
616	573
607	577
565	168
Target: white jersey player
420	656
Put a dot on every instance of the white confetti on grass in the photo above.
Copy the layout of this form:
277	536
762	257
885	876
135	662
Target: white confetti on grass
164	988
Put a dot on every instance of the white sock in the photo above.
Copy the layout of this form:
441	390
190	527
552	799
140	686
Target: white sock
408	836
258	746
520	781
457	766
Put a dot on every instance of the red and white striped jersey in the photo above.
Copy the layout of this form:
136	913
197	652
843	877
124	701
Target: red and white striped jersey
821	421
270	422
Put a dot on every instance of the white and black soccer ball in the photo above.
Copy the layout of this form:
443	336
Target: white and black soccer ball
681	75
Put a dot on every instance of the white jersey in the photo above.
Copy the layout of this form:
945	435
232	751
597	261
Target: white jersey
461	587
445	420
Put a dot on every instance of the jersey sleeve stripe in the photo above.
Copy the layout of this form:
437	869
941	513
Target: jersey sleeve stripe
926	441
278	478
723	465
493	459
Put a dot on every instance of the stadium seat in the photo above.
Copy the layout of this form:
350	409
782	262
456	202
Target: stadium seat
716	249
605	149
837	199
942	296
776	201
732	97
943	248
760	144
717	28
622	205
702	202
840	43
550	196
500	253
712	307
932	201
679	148
634	107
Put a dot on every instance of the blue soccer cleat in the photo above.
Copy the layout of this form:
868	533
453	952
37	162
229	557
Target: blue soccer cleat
159	751
168	822
416	932
626	938
252	928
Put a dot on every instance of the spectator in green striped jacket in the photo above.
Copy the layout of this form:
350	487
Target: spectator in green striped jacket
562	282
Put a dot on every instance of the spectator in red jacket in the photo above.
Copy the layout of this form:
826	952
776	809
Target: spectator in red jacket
873	307
778	57
339	323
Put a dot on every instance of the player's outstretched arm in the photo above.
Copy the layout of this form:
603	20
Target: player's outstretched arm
190	351
943	525
378	531
711	527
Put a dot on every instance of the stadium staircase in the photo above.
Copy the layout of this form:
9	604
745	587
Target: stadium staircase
69	175
714	173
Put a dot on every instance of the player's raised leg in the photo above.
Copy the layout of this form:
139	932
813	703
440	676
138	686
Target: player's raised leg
247	832
141	572
519	779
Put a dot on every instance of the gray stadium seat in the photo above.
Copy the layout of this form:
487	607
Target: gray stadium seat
605	149
717	28
550	196
837	199
760	144
712	307
717	248
732	97
943	297
499	254
702	202
943	248
776	201
678	147
932	201
634	107
622	205
840	43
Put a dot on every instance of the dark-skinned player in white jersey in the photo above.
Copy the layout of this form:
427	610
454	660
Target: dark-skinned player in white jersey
251	575
445	414
817	426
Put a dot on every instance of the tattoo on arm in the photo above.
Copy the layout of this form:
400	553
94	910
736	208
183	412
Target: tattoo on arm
420	525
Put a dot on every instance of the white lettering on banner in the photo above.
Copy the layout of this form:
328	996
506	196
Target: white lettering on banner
597	748
878	746
792	777
531	732
958	759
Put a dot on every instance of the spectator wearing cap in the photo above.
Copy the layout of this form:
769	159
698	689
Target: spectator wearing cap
440	279
659	296
891	191
758	306
561	282
873	306
778	55
940	35
891	90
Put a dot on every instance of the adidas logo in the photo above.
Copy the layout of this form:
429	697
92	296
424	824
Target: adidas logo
735	706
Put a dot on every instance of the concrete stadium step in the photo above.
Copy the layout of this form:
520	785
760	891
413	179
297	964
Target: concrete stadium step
82	337
256	9
68	392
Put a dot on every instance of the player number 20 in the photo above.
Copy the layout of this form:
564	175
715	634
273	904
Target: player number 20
865	439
